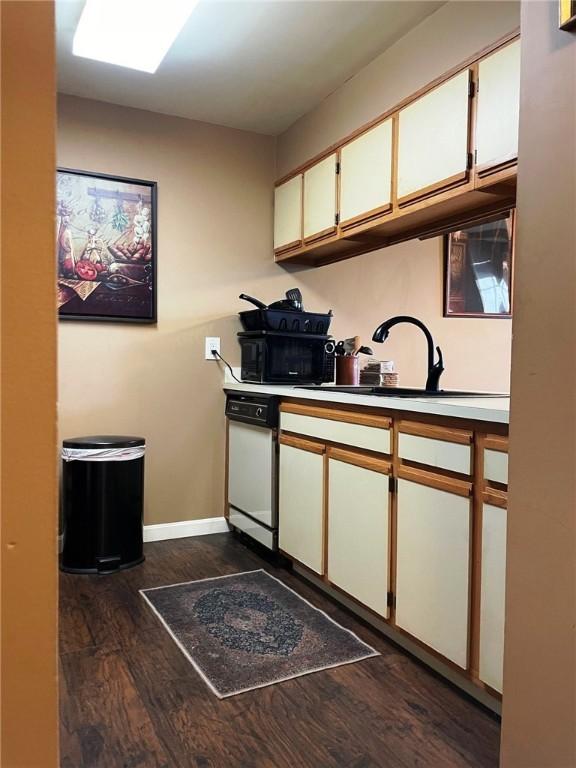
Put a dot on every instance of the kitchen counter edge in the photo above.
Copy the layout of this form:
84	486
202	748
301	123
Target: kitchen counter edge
490	409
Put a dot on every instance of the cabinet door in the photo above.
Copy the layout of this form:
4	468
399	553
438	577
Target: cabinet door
498	107
366	174
493	578
288	214
432	576
433	139
301	505
358	539
320	199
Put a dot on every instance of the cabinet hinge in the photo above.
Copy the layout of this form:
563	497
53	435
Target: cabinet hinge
391	600
337	219
392	484
471	88
470	160
475	157
337	167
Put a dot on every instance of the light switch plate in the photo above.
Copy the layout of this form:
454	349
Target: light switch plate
212	343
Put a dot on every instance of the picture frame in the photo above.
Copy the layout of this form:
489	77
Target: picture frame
106	247
567	14
478	268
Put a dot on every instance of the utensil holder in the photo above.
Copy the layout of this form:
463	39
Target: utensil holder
348	370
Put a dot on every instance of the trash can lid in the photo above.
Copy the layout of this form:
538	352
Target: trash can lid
104	441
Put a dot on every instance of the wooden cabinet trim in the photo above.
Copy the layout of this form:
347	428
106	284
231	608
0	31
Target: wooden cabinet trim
433	480
288	247
301	443
475	574
496	443
395	143
452	423
375	213
459	206
360	459
449	209
495	497
325	520
498	180
320	235
487	169
447	434
333	414
421	195
226	469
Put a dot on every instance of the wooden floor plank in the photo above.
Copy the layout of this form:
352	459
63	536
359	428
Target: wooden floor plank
130	699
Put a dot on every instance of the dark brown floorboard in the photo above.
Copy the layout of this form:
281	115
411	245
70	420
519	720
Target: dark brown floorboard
129	698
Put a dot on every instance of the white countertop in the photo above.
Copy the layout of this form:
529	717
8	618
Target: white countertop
493	409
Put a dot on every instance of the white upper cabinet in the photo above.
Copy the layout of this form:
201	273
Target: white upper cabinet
498	106
288	214
320	198
433	138
366	173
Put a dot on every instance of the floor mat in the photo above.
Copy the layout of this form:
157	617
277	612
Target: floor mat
249	630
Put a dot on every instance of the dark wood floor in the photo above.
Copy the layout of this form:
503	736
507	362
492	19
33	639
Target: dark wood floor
129	698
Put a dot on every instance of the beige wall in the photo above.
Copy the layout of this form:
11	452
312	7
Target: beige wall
28	519
539	717
407	279
214	233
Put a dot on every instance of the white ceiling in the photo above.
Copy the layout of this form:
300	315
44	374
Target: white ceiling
252	64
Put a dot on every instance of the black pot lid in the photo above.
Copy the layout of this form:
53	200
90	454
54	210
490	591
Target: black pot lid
104	441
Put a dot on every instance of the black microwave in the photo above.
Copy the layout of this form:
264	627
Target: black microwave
274	357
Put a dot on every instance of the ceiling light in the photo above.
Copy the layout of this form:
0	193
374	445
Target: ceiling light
130	33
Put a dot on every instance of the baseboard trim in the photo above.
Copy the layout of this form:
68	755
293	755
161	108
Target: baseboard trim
184	528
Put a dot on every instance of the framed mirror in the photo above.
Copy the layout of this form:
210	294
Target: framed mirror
478	266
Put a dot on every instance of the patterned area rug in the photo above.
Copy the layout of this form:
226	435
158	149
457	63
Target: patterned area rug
249	630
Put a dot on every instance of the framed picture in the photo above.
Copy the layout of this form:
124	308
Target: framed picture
478	269
106	247
567	14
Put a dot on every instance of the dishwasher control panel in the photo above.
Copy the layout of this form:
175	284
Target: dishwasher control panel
253	409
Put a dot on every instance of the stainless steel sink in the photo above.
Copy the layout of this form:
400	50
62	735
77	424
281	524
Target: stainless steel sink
400	391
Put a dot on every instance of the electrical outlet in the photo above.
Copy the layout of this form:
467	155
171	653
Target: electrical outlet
212	343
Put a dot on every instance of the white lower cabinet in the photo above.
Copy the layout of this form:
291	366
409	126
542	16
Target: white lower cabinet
492	592
432	576
301	506
414	542
358	533
496	466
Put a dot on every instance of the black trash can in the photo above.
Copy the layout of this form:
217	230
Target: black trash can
103	495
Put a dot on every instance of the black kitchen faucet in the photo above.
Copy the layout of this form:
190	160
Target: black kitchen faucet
434	369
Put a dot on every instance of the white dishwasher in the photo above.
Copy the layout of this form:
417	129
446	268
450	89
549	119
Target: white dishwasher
253	466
